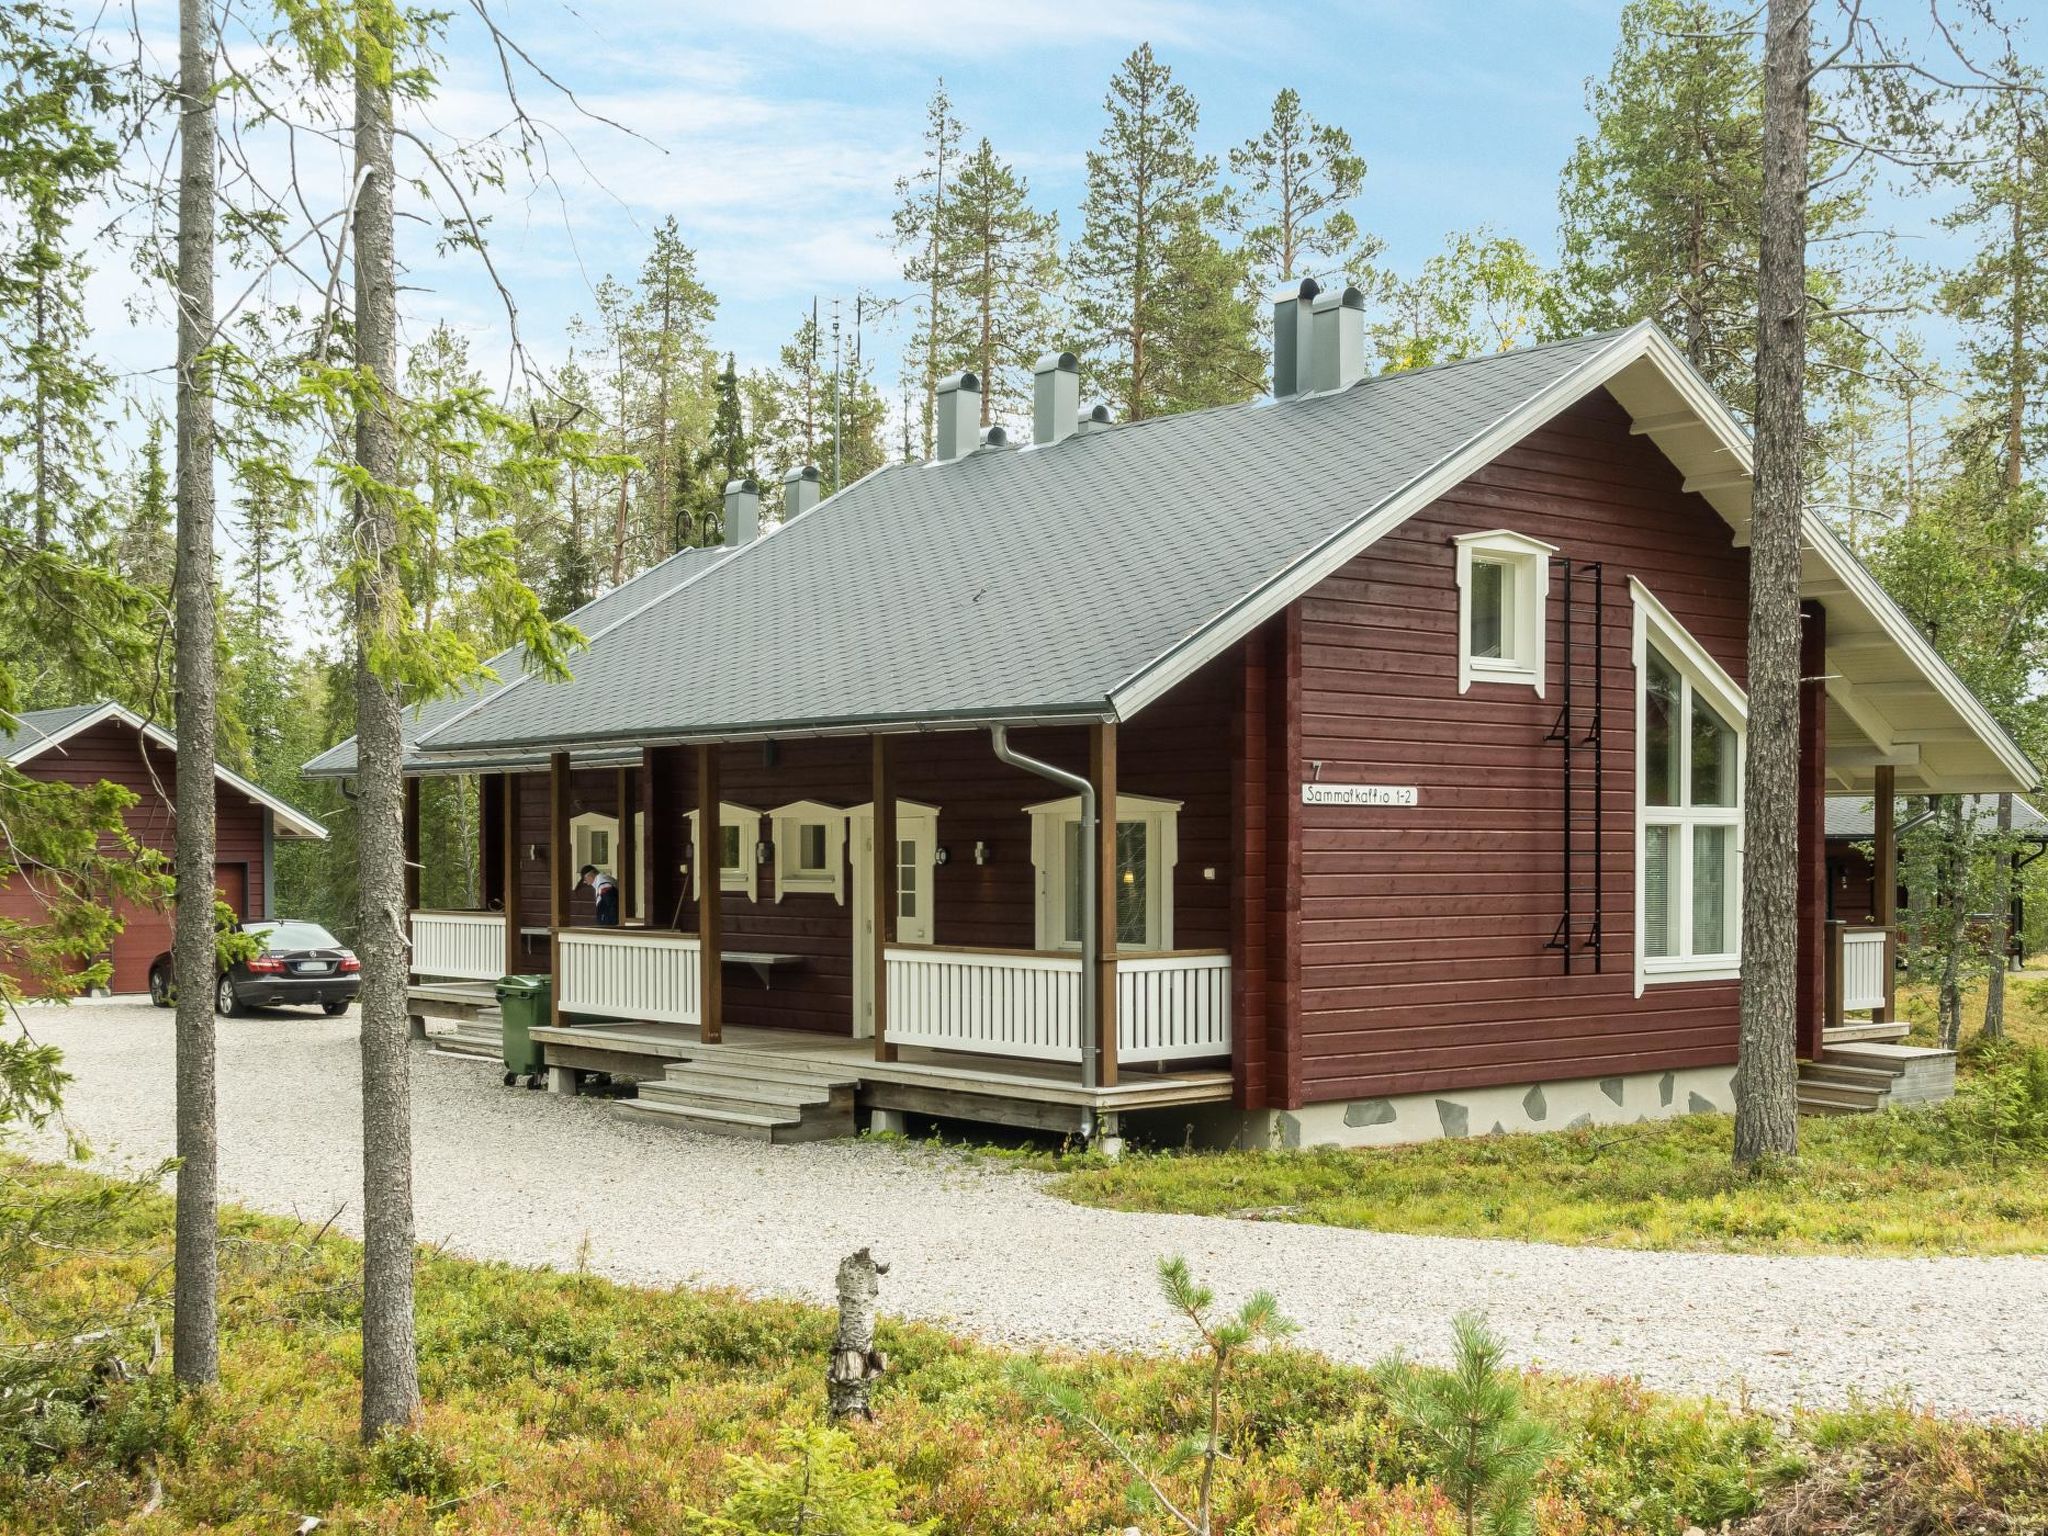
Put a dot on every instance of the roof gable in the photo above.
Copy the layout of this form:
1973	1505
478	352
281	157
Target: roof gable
41	732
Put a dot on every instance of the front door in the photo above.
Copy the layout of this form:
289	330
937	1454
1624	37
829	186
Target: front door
917	849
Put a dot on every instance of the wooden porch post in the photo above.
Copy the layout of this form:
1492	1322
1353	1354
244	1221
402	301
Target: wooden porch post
882	896
508	839
704	865
412	850
558	873
1834	977
1884	859
627	874
1102	774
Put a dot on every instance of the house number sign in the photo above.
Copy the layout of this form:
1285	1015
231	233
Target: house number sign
1358	794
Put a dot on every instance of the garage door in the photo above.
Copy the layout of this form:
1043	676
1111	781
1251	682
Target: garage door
148	933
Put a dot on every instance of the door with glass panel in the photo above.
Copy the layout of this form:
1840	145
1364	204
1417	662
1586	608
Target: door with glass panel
916	856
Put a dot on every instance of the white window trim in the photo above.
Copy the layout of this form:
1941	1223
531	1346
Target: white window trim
786	824
748	876
1653	623
1528	565
580	827
1048	858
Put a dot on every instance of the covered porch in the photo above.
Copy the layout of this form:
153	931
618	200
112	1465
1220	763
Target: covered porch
1018	960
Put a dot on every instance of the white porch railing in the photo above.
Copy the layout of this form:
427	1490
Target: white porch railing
629	973
1170	1007
467	946
1864	955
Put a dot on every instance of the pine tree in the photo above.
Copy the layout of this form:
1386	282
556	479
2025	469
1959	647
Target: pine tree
1661	203
1164	303
919	223
2000	301
142	548
1299	179
1004	257
668	352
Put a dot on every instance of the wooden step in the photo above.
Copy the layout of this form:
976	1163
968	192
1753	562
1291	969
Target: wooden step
1878	1079
707	1067
745	1125
1849	1096
733	1091
1809	1106
1843	1034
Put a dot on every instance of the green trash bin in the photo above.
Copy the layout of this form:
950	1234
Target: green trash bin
523	1003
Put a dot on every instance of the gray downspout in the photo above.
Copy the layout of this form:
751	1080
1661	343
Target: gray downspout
1090	894
269	863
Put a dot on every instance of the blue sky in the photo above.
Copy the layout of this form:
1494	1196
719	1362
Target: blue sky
775	134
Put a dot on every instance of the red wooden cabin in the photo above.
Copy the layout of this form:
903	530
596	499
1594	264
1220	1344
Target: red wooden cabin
1419	699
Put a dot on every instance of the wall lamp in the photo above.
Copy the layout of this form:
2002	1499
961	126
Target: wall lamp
983	854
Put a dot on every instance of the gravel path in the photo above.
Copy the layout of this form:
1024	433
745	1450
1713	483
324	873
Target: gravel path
534	1179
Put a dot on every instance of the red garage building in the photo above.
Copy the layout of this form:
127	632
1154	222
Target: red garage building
84	744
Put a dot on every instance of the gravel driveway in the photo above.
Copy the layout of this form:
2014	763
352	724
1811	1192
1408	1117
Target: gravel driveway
531	1178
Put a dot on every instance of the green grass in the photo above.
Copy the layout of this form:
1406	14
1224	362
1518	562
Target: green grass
1902	1182
564	1403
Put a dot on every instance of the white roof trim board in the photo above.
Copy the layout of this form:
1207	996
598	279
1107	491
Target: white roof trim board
959	530
290	822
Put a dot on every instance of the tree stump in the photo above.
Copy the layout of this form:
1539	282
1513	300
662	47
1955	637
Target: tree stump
855	1361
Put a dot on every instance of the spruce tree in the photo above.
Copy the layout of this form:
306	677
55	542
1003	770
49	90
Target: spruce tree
54	155
727	455
1298	178
1004	258
1165	305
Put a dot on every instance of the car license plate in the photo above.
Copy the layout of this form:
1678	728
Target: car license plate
309	965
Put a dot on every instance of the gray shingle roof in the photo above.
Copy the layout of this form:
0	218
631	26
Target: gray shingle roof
1854	817
33	726
593	618
1013	584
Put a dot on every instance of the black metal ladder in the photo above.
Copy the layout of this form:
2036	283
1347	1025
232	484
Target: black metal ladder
1581	589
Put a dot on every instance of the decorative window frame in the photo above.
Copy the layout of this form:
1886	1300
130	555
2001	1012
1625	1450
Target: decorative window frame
580	828
748	876
786	824
1701	674
1050	818
1527	562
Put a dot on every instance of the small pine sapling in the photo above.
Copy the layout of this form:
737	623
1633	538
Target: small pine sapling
818	1488
1195	1460
1484	1451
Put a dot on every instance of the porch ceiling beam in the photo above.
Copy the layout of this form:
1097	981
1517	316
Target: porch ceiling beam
1719	480
1861	644
1903	756
1664	421
1934	735
1845	696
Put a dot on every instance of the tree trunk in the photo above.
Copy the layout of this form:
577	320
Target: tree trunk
855	1361
195	1342
1766	1073
1955	920
2001	924
391	1393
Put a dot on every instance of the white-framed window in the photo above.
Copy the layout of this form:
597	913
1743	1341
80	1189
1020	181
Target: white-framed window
810	848
1690	721
595	838
739	828
1147	849
1503	581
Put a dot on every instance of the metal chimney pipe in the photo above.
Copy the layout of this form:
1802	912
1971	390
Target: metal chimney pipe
1339	339
1097	419
799	491
742	513
1293	337
959	422
1055	397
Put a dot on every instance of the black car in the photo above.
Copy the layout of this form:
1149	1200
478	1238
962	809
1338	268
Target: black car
299	963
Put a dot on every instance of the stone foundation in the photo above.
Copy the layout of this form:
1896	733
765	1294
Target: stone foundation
1406	1118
